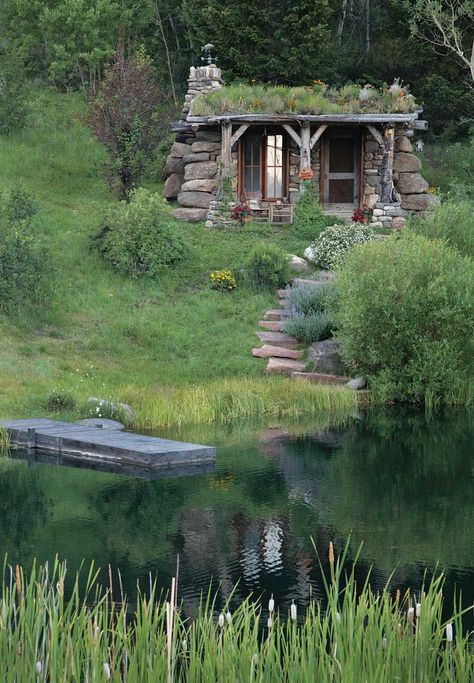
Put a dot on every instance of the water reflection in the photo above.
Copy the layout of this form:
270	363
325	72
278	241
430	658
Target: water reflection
400	483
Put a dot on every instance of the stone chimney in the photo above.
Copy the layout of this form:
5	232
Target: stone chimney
202	79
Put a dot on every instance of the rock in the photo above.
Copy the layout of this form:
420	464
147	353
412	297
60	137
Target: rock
268	351
371	171
400	221
209	135
418	202
309	254
394	211
325	356
201	185
102	423
371	146
406	163
358	383
372	200
403	144
174	165
209	224
319	377
190	215
179	149
273	325
99	406
203	169
284	366
173	185
378	212
298	264
206	146
373	180
193	158
198	200
411	183
278	339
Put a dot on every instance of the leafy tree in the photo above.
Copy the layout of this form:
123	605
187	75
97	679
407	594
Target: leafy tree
13	106
123	114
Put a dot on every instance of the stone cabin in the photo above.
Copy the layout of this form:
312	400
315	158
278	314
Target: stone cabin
355	160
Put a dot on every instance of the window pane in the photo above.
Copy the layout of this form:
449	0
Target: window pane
341	191
248	179
279	141
270	154
279	185
270	182
256	178
278	157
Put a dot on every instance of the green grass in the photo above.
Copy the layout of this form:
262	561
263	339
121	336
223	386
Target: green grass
359	635
106	335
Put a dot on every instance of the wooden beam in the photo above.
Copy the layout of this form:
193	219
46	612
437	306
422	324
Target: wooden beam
305	149
226	128
292	133
377	135
387	190
238	133
317	135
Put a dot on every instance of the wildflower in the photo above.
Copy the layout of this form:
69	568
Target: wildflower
418	610
449	633
293	611
228	617
221	620
271	604
107	671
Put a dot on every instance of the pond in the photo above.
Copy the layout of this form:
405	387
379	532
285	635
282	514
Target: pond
399	483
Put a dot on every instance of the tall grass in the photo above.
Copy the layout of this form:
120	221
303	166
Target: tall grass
5	442
358	635
230	399
453	222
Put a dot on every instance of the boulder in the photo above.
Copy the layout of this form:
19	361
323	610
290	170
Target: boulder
192	158
199	200
418	202
400	221
206	146
411	183
174	165
371	200
202	169
179	149
101	406
373	180
173	185
298	264
189	215
209	135
403	144
358	383
326	358
371	146
201	185
309	254
102	423
406	163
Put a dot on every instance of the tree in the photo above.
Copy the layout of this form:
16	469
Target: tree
447	25
122	112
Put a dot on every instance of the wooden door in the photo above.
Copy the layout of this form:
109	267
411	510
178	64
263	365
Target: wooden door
341	171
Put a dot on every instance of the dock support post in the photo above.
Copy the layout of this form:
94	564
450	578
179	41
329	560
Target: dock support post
31	442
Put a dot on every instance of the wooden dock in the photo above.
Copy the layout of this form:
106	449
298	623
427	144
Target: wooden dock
93	444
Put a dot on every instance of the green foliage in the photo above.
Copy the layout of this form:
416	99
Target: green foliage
310	328
60	401
447	106
453	222
309	218
406	317
157	164
450	168
19	205
333	244
139	237
267	266
308	299
13	104
223	280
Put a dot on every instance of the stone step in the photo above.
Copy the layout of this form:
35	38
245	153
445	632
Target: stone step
282	293
278	339
284	366
320	377
325	276
275	314
283	303
267	351
273	325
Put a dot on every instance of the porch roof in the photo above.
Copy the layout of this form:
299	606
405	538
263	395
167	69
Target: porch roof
410	120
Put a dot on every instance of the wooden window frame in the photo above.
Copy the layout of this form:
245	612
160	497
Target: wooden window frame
264	133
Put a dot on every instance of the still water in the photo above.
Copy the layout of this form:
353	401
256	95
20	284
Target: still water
401	484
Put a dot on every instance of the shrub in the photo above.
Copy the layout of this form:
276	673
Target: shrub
309	299
309	219
268	266
13	104
20	205
310	328
406	317
452	221
332	245
223	280
59	401
139	237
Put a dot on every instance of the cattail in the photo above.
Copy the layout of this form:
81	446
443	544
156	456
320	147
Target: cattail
384	643
293	611
106	671
271	604
418	610
269	622
449	633
338	616
411	614
400	630
228	617
184	645
331	554
221	620
18	582
397	595
39	667
254	659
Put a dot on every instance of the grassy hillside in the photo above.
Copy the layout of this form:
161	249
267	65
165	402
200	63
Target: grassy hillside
105	335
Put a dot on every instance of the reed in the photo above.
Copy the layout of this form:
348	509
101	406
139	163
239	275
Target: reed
231	399
5	442
358	635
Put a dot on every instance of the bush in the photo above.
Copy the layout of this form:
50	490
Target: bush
13	106
453	222
310	328
332	245
309	219
139	237
406	317
59	401
223	280
20	205
309	299
268	266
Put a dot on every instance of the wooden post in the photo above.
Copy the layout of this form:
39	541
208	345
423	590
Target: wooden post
31	443
305	149
226	129
387	190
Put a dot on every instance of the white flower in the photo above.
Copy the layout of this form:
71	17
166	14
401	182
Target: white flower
221	620
449	633
228	617
293	611
106	671
271	604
